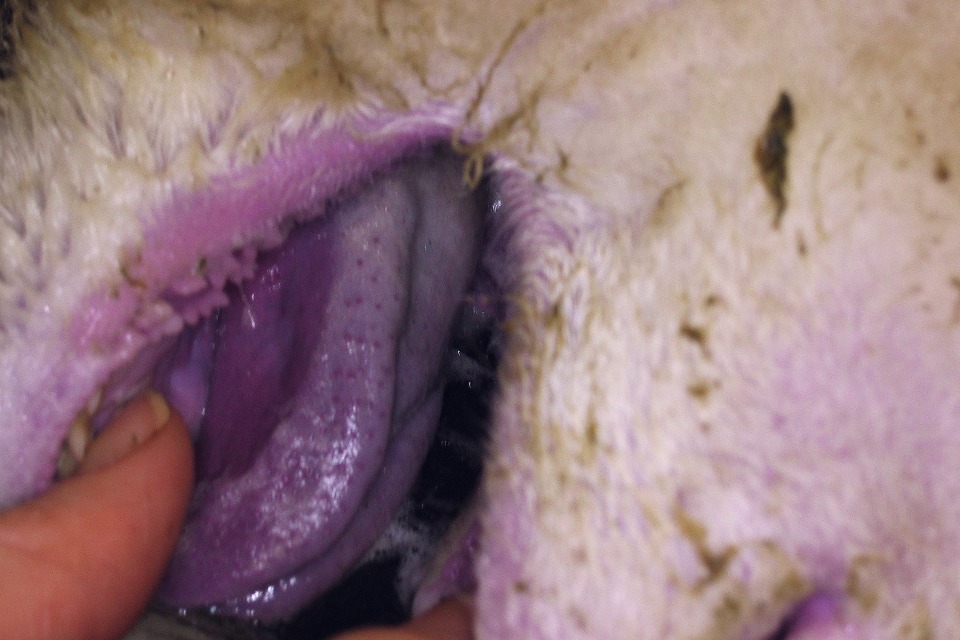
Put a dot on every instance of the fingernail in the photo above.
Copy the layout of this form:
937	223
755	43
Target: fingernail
131	427
161	410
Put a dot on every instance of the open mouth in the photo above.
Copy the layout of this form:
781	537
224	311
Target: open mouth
320	356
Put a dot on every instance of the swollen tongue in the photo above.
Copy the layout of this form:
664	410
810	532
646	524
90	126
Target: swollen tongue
322	380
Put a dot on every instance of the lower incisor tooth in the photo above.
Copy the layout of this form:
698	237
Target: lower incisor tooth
74	446
94	403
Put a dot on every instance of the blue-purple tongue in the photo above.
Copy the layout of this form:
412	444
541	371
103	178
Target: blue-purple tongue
325	383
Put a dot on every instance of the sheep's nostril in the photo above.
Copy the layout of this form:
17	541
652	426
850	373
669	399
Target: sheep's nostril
783	631
819	617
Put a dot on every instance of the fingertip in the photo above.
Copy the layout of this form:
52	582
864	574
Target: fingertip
102	536
450	620
130	428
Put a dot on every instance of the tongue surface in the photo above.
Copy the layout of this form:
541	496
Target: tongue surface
324	389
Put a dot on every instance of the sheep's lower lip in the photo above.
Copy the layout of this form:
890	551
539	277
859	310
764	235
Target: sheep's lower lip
315	391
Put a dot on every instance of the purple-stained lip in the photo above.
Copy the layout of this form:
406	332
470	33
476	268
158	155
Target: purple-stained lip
243	208
296	312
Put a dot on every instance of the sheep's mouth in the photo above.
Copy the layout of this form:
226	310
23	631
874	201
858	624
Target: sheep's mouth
314	380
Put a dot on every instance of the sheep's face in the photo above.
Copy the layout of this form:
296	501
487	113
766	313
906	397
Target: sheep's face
715	245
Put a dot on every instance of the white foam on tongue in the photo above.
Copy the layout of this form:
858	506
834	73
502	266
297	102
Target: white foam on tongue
374	287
